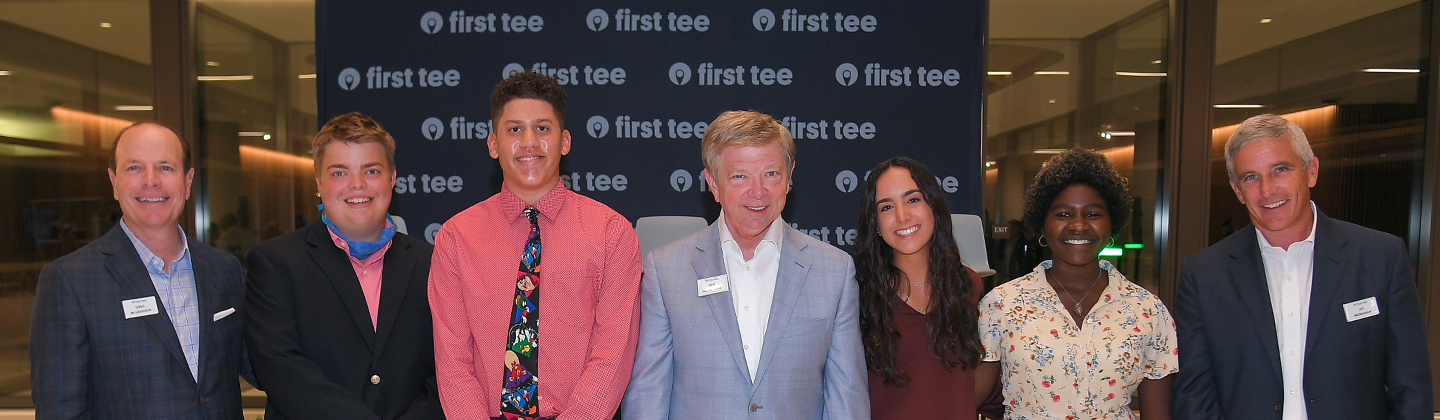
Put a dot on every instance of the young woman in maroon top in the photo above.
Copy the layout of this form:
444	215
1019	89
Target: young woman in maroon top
917	301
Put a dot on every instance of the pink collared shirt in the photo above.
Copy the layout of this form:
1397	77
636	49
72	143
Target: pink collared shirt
589	304
368	271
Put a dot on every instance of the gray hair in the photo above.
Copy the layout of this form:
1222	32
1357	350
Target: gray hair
1267	126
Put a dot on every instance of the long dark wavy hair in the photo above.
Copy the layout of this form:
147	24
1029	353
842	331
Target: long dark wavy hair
953	328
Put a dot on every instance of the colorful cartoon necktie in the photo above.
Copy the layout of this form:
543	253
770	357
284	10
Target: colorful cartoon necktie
519	398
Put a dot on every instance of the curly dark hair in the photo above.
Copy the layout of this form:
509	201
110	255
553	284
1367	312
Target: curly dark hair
528	85
1077	166
953	317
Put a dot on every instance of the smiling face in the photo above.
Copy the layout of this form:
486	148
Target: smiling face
149	178
528	142
1274	185
750	183
907	223
1077	226
355	185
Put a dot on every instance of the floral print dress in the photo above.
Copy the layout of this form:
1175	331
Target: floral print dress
1052	370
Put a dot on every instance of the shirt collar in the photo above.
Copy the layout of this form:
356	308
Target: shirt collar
1036	280
149	258
773	234
345	246
512	207
1314	220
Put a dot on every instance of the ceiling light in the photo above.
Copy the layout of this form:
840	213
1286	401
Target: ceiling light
1139	74
989	163
224	78
252	134
4	72
1155	61
1391	70
305	76
997	73
1051	73
1121	133
212	63
1049	151
104	24
266	137
1265	20
134	108
1238	106
1052	101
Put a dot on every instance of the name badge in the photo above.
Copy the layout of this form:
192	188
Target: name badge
1361	309
712	285
135	308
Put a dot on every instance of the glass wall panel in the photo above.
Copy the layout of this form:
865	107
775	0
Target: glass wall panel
1349	73
257	109
1062	74
72	74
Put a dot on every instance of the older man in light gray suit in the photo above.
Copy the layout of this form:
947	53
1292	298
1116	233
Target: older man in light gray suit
749	318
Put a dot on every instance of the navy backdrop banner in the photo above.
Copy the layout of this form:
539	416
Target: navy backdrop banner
855	81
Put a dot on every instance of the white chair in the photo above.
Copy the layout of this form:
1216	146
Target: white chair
656	231
970	235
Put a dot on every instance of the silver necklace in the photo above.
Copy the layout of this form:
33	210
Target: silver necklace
1078	310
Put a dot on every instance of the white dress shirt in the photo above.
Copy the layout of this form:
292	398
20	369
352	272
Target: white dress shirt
752	286
1290	275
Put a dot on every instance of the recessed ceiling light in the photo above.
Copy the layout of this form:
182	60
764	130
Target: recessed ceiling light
1120	133
134	108
1049	151
1139	74
212	63
1052	101
252	134
1051	73
4	72
1155	61
1238	106
1391	70
224	78
997	73
104	24
1265	20
305	76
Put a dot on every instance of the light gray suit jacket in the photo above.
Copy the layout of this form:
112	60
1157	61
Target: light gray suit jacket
690	365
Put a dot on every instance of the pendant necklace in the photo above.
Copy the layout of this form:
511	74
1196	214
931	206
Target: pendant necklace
1078	309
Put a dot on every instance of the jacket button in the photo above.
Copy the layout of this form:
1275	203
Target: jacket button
375	379
754	408
1280	407
202	400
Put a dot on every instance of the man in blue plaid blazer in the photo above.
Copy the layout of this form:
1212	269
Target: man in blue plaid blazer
142	323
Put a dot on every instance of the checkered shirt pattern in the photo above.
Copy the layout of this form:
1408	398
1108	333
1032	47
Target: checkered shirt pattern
176	290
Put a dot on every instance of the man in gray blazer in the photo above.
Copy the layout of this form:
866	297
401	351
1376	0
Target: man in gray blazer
748	318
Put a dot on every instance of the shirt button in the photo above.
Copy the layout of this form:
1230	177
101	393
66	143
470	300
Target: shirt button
375	379
754	408
1291	313
1292	352
364	272
747	308
1289	278
747	268
747	347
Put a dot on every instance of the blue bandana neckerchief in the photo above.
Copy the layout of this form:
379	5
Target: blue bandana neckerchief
362	250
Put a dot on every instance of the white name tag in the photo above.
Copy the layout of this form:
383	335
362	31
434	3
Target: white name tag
145	306
222	314
712	285
1361	309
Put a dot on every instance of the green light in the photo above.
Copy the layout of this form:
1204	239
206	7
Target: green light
1134	246
1112	252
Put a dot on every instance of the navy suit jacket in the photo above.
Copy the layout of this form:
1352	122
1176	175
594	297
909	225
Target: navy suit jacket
1369	368
311	339
88	362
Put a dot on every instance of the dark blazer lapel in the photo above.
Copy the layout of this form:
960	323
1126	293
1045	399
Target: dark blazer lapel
211	299
125	267
1326	274
789	280
336	265
710	262
395	280
1248	277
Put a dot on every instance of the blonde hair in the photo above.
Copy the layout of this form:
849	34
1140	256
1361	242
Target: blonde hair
744	128
352	128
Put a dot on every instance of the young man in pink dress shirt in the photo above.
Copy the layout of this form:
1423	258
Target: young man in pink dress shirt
590	278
